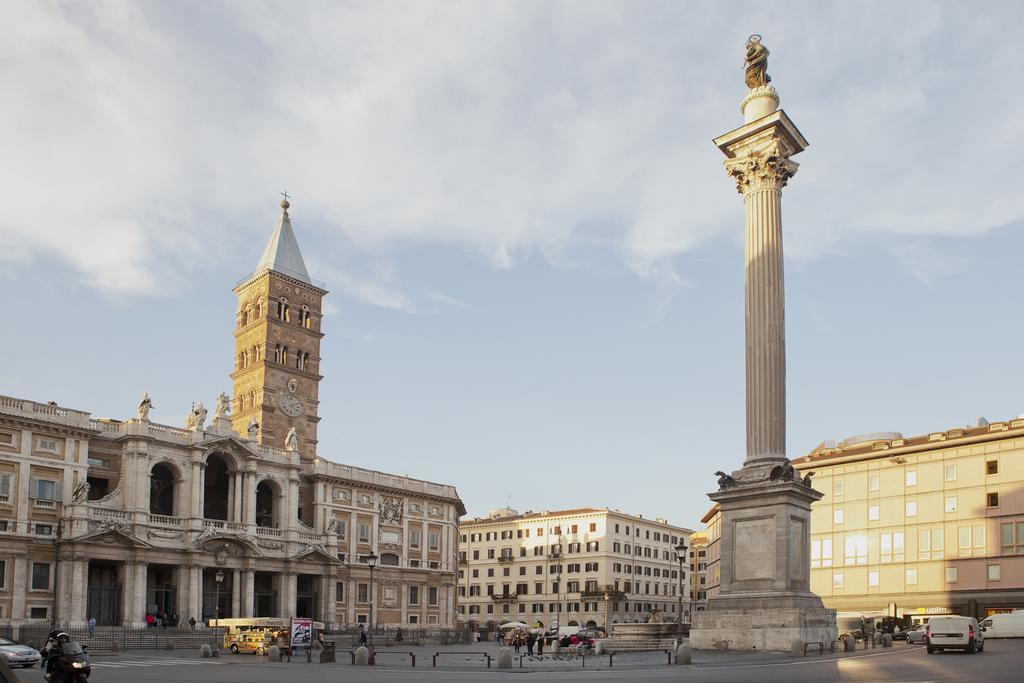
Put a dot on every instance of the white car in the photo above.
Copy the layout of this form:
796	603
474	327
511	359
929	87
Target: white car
954	633
18	654
916	636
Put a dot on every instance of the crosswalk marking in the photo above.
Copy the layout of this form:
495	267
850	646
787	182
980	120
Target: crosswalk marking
121	664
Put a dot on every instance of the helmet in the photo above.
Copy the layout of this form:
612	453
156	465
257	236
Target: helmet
54	633
63	635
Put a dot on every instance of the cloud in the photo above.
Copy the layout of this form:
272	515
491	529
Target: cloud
143	136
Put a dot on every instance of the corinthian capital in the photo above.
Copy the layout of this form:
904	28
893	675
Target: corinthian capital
766	169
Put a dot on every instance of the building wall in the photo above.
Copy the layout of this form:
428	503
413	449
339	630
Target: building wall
514	557
933	524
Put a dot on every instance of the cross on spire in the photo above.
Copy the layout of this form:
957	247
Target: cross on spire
284	202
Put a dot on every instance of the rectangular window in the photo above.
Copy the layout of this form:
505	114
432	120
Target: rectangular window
873	579
856	549
949	472
992	467
38	613
339	592
48	445
414	595
837	516
951	575
40	576
821	553
911	577
837	487
911	508
993	500
950	503
434	540
44	489
911	478
890	547
993	572
593	527
3	574
837	580
873	513
364	533
5	488
414	538
872	482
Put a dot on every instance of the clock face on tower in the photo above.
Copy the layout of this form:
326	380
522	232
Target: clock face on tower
290	405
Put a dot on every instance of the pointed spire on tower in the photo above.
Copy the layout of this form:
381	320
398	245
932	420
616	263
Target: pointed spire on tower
282	253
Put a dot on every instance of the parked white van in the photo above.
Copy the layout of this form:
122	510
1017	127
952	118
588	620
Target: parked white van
954	633
1010	625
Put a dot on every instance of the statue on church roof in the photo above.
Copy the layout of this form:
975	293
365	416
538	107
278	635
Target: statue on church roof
223	407
145	405
196	417
756	63
291	440
253	428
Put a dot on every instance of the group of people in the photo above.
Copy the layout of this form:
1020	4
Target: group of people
162	620
519	637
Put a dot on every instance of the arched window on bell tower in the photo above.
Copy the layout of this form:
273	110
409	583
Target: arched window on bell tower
277	353
284	356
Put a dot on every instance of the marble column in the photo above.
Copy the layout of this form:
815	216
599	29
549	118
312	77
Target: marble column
195	592
137	609
248	590
236	593
20	578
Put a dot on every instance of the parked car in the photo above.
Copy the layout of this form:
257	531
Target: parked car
18	654
1009	625
916	635
956	633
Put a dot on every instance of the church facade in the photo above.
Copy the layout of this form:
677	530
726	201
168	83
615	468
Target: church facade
237	516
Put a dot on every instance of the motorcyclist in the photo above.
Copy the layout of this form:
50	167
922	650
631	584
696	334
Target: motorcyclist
51	640
54	653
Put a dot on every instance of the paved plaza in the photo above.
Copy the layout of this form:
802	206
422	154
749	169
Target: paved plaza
1001	661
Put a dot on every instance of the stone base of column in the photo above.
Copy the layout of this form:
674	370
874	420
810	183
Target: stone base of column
767	623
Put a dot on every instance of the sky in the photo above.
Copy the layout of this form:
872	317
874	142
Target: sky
533	252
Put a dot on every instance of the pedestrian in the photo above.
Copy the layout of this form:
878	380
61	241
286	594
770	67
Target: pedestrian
192	623
150	620
92	627
517	640
540	645
362	635
174	619
530	640
497	637
398	634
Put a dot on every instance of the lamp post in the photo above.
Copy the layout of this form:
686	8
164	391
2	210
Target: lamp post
681	556
371	562
607	626
219	577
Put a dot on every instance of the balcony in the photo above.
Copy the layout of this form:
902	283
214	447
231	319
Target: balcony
504	597
614	595
506	559
463	562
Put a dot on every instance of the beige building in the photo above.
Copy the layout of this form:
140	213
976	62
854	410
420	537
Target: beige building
931	524
589	566
698	573
120	518
712	521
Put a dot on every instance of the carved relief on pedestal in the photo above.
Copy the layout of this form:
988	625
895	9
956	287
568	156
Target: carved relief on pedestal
390	593
766	169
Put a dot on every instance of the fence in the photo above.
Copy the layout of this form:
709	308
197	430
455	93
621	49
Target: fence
390	636
101	638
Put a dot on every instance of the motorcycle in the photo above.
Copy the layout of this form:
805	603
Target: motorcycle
71	666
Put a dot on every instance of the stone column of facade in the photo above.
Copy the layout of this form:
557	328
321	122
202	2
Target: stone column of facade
236	593
764	601
250	500
248	593
327	602
79	591
135	599
195	592
288	594
20	578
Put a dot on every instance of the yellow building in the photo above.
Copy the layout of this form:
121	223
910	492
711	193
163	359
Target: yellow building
582	567
931	524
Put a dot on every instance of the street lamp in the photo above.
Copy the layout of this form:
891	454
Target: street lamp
681	556
371	562
607	626
219	576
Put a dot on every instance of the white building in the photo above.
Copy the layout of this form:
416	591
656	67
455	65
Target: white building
589	566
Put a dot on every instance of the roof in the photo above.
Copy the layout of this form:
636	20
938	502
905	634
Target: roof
828	452
282	253
546	514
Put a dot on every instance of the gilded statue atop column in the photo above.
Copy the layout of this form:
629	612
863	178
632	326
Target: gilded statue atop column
756	63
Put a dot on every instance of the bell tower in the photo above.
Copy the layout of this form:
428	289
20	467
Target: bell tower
277	346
